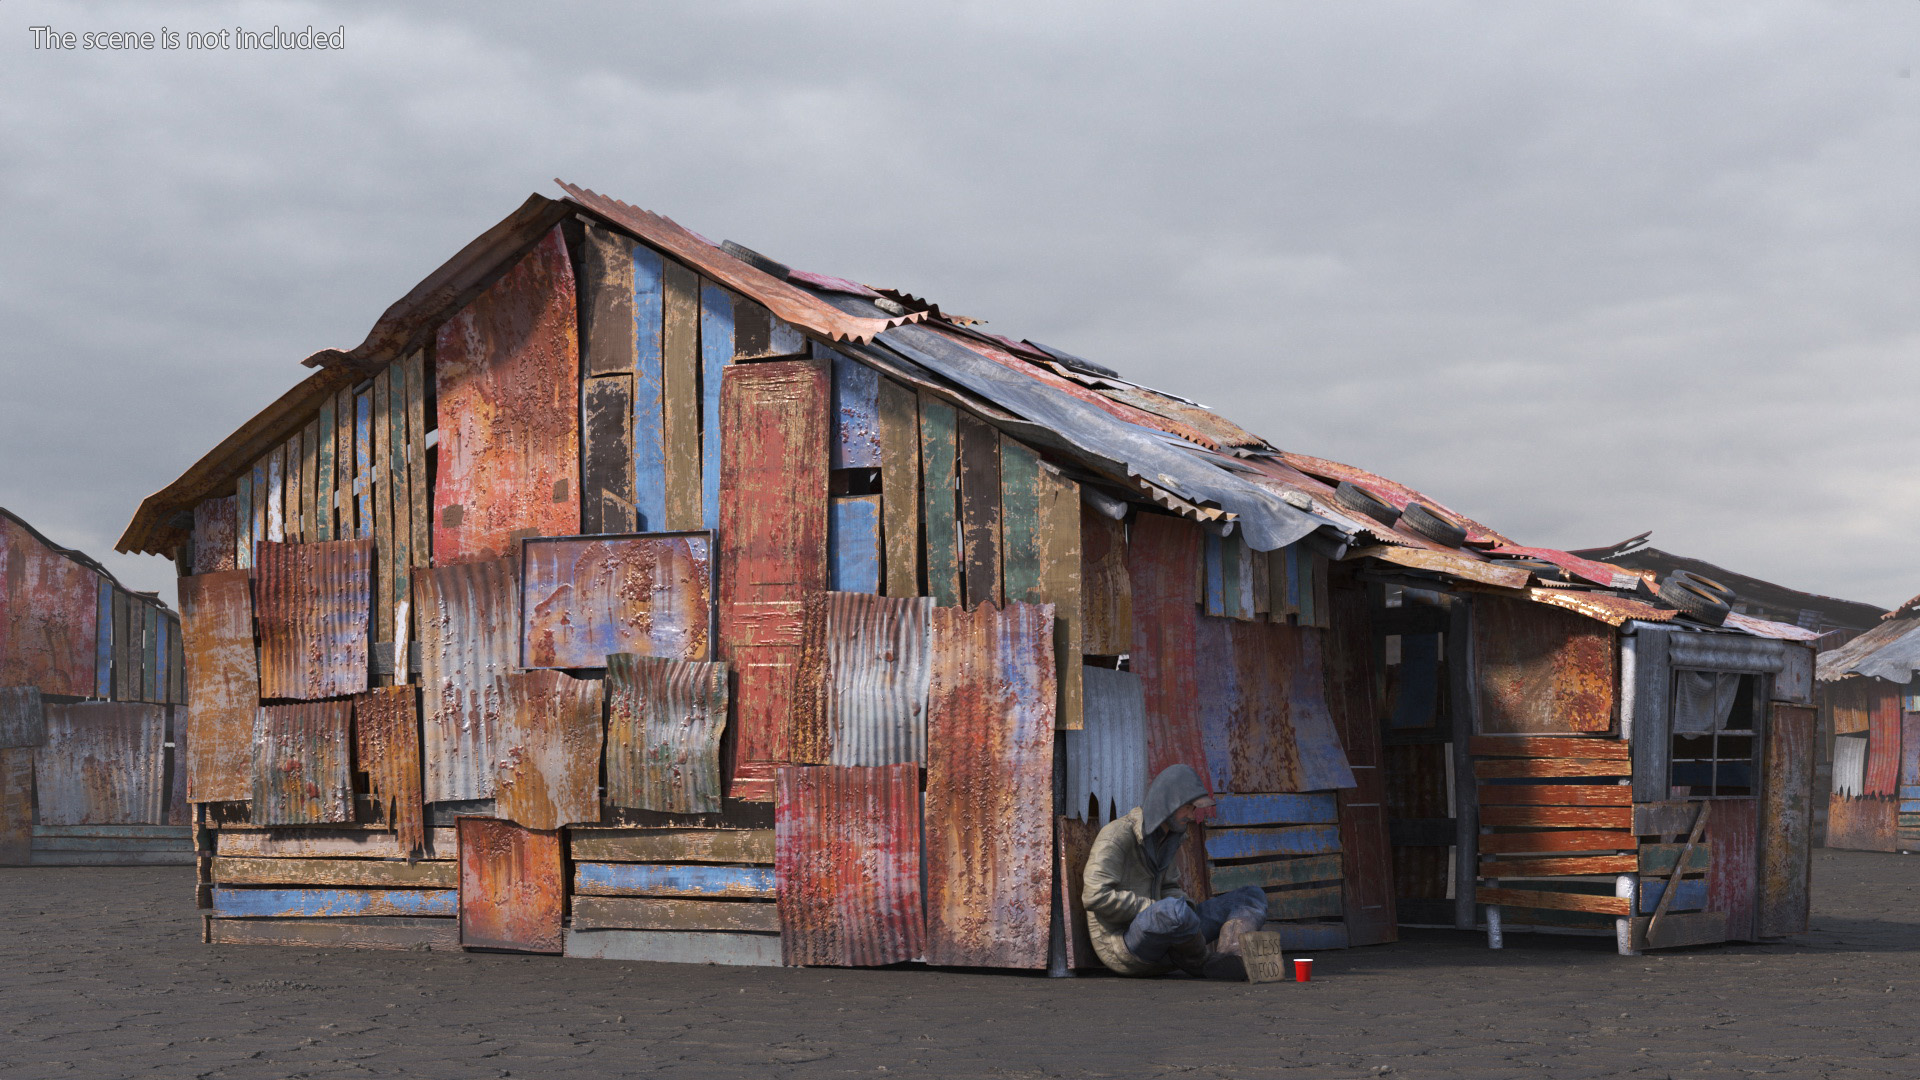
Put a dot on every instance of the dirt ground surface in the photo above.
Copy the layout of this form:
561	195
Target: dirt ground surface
102	974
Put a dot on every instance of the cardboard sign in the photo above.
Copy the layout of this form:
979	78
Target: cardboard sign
1261	951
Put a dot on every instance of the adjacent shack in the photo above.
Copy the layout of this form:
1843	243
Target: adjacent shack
625	595
1870	719
90	679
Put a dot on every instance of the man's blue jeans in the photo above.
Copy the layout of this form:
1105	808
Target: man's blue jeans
1173	920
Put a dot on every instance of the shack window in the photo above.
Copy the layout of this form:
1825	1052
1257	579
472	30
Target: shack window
1713	734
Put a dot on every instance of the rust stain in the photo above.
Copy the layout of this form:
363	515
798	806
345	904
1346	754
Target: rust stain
512	887
300	764
586	599
549	746
386	731
313	604
215	536
664	722
103	763
223	685
1540	670
847	860
49	615
1163	564
467	619
989	799
507	370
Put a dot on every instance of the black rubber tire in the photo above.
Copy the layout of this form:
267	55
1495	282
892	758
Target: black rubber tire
1424	520
1706	583
1355	498
1682	594
756	260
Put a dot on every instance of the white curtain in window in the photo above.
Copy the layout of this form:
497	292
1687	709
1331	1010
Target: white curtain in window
1702	700
1850	765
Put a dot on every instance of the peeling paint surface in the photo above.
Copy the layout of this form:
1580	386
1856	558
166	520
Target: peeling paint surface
300	764
223	685
103	763
549	746
585	599
664	722
847	860
313	603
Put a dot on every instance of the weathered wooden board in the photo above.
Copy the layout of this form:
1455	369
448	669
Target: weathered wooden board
1679	930
512	887
16	805
1555	795
940	486
674	845
606	454
1659	859
1556	901
1073	843
1786	821
661	913
1540	669
1671	817
856	413
655	879
362	873
900	486
1564	840
1569	866
1340	660
1262	875
1286	840
1106	595
407	934
1274	809
676	947
1304	903
223	685
1573	817
323	843
1689	895
680	396
1505	768
856	561
1542	746
507	369
716	352
980	540
649	388
332	903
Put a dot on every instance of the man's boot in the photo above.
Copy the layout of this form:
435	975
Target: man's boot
1190	956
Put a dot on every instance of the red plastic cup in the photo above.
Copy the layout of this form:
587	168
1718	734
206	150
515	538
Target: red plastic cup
1302	970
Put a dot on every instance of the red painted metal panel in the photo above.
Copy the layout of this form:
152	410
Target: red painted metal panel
773	525
1733	876
990	721
313	603
1163	564
584	599
49	611
468	622
1883	742
103	763
847	860
214	539
512	887
664	721
508	375
1541	670
386	730
223	685
300	764
550	741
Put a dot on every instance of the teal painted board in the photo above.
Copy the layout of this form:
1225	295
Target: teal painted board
716	352
1216	577
1320	807
649	434
854	557
1254	843
362	461
324	482
103	643
939	465
1295	937
856	414
333	903
660	879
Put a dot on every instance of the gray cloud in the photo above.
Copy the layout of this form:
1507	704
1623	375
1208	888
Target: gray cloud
1577	270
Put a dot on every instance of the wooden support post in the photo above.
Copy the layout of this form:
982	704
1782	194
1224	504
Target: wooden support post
1466	808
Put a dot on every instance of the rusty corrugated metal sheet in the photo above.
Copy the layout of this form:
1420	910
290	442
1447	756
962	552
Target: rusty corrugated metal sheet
1540	671
467	618
1163	564
103	763
1603	607
664	721
214	536
507	370
584	599
301	759
1219	430
876	678
22	719
1605	575
223	685
1107	759
512	887
1786	820
49	610
773	511
313	603
1883	741
549	748
386	732
1395	494
847	860
989	800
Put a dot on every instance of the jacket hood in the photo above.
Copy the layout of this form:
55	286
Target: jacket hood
1176	786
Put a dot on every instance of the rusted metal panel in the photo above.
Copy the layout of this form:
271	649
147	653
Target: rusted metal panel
301	758
989	800
313	601
853	545
1073	843
223	684
1106	595
876	671
23	721
664	721
1862	824
512	887
585	599
900	486
468	618
1540	670
1733	878
386	730
103	763
1883	743
1163	562
847	859
550	742
1786	821
856	414
1107	757
508	372
16	806
48	618
774	515
940	485
1851	702
980	541
213	536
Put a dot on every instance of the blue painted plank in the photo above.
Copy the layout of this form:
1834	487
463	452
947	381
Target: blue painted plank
649	435
1692	895
333	903
854	557
716	352
157	662
1214	668
363	461
1910	791
103	643
856	414
1290	840
1320	807
1293	580
1909	806
1216	597
661	879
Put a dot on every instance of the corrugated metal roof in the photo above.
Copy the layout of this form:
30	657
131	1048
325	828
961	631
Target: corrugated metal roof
549	747
223	685
103	763
847	858
22	719
468	620
300	764
1889	651
989	798
1107	759
876	678
386	729
313	604
585	598
664	721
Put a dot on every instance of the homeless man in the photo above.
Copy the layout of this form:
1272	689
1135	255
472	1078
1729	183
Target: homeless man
1140	920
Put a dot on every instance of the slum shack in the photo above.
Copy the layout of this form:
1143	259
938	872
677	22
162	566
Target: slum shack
90	684
1870	718
626	595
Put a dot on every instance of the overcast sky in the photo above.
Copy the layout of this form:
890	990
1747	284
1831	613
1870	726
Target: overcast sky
1579	270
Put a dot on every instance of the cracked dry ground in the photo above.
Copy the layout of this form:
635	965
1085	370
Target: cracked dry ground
102	974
